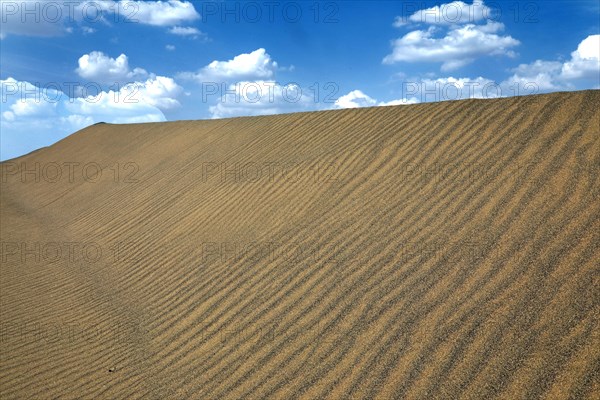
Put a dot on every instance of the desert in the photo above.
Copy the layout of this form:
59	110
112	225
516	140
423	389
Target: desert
444	250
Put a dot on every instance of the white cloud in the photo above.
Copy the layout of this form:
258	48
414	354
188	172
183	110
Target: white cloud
159	91
456	12
542	74
98	67
585	61
170	47
257	65
460	46
580	72
30	107
113	107
400	102
450	88
262	98
156	13
433	90
357	98
8	116
33	117
185	31
245	85
26	100
159	13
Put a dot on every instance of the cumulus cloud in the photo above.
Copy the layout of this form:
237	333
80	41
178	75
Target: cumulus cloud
98	67
245	85
451	88
156	13
585	61
32	117
160	13
459	46
425	90
456	12
261	98
159	91
185	31
542	74
357	98
270	97
581	71
256	65
399	102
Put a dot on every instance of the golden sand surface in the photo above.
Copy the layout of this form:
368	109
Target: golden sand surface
431	251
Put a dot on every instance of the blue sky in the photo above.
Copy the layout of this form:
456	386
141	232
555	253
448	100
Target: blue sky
67	64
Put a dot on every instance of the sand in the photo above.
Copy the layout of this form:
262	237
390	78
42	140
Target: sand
446	250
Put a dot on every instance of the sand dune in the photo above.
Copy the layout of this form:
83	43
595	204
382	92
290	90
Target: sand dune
446	250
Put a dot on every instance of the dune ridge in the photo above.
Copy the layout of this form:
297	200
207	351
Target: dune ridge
442	250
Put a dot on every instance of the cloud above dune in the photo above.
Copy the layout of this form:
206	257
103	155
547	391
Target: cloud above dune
580	71
245	85
357	99
139	85
24	99
455	36
246	66
585	61
261	98
160	92
459	46
32	117
97	66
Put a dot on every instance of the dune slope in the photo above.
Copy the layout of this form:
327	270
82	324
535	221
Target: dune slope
446	250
